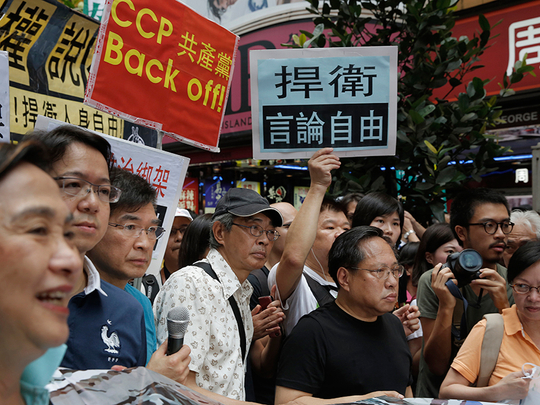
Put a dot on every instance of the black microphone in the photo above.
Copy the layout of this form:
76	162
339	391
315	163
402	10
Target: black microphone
177	323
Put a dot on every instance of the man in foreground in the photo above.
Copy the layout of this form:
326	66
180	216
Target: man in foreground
353	348
243	233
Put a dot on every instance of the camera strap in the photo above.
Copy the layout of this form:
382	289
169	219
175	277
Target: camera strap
460	334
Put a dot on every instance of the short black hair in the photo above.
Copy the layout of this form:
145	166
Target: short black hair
346	251
61	137
464	206
330	204
136	191
32	151
196	240
523	258
435	236
375	205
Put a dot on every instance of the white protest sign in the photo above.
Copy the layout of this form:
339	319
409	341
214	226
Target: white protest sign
164	170
305	99
4	97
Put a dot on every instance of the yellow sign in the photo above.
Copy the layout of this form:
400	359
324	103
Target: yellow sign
25	106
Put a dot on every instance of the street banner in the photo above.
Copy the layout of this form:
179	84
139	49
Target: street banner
163	170
189	199
4	97
50	49
162	65
306	99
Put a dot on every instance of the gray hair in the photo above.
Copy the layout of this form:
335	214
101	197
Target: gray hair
227	221
530	219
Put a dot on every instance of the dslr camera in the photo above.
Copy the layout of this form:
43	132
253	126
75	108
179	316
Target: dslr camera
465	265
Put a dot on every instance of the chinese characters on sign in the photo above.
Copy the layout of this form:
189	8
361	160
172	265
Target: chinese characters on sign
306	100
190	195
50	48
524	38
166	51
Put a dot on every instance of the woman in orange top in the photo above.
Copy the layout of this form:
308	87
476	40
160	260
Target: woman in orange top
520	344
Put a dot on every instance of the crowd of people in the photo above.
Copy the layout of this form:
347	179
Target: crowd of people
338	301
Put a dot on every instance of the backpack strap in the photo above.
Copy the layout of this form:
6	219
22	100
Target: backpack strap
491	346
321	292
210	271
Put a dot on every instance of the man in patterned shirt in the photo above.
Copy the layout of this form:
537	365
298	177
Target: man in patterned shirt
243	233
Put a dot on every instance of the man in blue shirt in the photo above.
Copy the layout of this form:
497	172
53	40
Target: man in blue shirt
125	251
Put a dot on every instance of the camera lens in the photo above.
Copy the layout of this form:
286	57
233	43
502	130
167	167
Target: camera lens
470	260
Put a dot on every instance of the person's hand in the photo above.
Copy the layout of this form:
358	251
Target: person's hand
495	285
409	316
267	322
513	386
321	165
419	229
382	393
439	277
175	366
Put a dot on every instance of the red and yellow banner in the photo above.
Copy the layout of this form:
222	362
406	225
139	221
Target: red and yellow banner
162	65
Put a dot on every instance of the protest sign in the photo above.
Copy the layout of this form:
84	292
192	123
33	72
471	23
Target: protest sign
50	49
4	97
163	170
307	99
162	65
190	195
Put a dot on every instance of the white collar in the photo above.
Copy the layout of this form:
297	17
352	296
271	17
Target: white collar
94	281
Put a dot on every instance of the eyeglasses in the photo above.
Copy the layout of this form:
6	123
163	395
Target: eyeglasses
182	230
384	272
81	188
133	231
524	288
491	226
257	230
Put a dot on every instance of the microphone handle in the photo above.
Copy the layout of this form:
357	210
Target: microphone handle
174	344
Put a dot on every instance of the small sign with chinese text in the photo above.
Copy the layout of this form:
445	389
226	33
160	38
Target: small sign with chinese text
307	99
162	65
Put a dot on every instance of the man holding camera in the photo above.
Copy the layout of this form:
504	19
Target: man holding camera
480	219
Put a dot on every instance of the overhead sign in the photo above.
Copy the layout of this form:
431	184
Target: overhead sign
4	97
307	99
163	170
162	65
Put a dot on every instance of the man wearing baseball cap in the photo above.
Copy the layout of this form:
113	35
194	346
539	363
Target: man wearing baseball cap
216	293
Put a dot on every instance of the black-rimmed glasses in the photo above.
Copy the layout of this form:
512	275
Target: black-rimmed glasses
491	226
77	187
257	230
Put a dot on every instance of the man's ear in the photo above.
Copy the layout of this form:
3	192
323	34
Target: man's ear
219	232
462	233
343	278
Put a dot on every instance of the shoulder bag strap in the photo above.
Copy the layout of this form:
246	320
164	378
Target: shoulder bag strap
321	292
491	346
210	271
